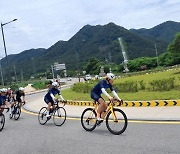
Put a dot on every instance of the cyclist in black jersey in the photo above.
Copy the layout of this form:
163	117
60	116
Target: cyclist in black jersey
20	93
99	89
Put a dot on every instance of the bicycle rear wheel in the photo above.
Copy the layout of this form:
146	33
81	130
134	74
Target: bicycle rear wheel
42	116
88	119
2	121
17	112
119	125
59	116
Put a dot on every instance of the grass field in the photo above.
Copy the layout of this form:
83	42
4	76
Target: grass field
140	95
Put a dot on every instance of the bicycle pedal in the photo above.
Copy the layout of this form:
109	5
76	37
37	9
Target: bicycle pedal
98	122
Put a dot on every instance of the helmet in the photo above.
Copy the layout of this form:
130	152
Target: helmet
4	90
21	89
110	76
55	84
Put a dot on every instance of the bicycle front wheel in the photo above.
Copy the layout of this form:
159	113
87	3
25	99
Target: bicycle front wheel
17	112
2	121
117	122
42	116
59	116
88	119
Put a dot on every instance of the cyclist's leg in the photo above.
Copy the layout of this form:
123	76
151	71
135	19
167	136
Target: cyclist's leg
101	108
1	109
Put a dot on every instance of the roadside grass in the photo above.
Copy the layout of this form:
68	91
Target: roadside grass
68	94
143	95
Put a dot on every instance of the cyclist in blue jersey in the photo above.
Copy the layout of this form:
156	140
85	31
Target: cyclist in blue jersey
3	99
101	88
50	97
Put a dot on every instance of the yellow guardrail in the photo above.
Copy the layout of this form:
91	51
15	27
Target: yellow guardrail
131	103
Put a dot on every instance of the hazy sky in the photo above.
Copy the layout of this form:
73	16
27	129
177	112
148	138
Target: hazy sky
41	23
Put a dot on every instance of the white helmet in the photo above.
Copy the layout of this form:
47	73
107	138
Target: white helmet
21	89
4	90
110	76
55	84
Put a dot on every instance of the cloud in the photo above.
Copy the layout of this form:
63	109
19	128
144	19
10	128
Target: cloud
42	23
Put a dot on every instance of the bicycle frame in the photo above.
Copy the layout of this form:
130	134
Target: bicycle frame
109	108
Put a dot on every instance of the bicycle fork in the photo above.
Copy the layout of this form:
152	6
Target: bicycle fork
114	115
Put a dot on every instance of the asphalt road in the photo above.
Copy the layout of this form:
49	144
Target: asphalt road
27	136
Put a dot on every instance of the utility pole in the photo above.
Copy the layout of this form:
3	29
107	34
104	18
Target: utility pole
3	24
21	75
2	79
156	55
15	73
52	68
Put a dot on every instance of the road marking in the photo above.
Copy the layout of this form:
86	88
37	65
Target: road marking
129	121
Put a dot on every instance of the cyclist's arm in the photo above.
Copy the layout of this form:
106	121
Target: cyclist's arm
116	95
53	97
23	98
105	93
61	97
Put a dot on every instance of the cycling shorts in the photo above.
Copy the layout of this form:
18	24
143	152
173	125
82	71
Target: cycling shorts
48	100
95	96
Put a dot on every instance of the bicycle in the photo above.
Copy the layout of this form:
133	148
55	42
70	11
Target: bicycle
2	118
16	111
116	119
58	113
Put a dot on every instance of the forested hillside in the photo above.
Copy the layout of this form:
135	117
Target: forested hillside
98	41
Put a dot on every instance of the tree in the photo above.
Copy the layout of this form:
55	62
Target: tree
93	66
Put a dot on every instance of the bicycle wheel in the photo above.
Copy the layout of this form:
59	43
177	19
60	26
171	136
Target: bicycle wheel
119	126
2	121
42	116
17	112
59	116
88	119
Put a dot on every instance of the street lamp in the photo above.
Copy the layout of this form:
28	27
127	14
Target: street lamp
5	43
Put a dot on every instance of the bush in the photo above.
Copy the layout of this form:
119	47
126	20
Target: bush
162	85
127	86
82	87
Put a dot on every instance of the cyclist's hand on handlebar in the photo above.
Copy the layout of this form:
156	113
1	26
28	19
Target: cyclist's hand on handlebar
111	98
64	101
120	101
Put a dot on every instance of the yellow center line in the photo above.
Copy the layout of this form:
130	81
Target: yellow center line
129	121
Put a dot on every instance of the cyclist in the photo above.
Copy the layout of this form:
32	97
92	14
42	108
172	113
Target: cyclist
3	99
20	93
99	89
10	98
51	97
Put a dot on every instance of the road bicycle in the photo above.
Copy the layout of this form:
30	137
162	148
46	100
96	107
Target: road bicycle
116	119
16	111
58	113
2	118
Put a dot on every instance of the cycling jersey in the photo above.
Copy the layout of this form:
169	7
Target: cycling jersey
18	95
100	88
102	84
2	100
49	97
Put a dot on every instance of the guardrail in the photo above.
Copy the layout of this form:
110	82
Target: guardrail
131	103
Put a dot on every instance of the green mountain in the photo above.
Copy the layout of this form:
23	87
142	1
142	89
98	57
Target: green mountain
90	41
165	31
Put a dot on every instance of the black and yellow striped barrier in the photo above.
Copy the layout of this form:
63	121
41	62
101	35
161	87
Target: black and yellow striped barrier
132	103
